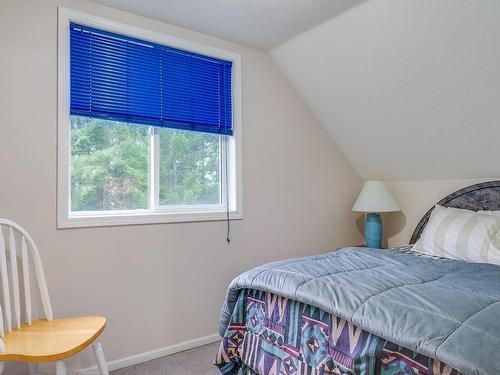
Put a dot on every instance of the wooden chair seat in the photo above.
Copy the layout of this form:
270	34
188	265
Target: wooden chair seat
48	341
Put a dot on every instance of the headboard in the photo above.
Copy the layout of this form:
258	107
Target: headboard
484	196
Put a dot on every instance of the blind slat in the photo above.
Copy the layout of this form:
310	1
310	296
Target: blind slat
120	78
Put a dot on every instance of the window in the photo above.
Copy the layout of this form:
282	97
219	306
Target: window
148	127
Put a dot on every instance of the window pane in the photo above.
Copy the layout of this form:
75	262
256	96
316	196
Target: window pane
109	165
189	168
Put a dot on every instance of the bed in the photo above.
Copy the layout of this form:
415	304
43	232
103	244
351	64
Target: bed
362	311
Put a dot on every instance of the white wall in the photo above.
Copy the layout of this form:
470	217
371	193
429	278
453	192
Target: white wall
408	89
159	285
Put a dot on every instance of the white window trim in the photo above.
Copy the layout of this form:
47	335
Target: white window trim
161	214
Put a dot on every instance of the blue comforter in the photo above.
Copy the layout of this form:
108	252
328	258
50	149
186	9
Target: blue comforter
445	309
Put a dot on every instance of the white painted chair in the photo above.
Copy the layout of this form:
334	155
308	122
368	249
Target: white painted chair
41	340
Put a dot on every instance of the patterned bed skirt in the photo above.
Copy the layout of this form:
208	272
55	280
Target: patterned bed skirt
273	335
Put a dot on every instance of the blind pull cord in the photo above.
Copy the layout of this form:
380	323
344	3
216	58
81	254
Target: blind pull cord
226	177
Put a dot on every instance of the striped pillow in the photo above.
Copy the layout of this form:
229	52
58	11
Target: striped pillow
461	234
495	245
496	213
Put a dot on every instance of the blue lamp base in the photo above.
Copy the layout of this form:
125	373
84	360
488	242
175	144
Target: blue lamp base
373	231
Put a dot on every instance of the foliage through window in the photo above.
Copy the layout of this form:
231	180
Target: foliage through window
111	167
189	168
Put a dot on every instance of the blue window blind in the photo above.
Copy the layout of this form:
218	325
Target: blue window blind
120	78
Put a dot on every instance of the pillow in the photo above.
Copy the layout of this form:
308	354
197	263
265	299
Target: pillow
495	213
495	250
461	234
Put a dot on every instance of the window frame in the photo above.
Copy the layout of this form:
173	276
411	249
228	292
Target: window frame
155	213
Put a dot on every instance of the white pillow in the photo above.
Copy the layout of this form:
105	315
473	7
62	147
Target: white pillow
495	250
495	213
461	234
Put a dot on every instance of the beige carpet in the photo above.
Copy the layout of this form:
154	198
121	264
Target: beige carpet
196	361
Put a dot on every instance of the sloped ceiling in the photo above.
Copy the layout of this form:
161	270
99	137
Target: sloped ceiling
257	23
408	89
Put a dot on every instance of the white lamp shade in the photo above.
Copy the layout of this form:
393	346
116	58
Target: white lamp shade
375	197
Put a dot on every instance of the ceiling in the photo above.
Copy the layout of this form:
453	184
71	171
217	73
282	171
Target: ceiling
261	24
409	90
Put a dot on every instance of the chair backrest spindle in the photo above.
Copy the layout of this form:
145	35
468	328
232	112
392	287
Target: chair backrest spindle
15	277
26	279
9	276
5	282
40	277
2	332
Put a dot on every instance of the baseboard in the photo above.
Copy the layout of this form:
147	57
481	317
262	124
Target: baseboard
153	354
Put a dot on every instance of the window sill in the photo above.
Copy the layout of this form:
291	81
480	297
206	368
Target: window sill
140	218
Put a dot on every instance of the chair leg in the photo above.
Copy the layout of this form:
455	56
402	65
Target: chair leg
60	368
2	365
100	359
33	368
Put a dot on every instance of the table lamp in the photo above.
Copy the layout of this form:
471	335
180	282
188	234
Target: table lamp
375	197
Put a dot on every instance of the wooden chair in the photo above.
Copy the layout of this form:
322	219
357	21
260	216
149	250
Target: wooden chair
42	340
